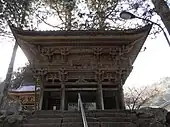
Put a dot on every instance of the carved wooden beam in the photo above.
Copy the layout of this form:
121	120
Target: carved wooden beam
63	75
99	75
97	52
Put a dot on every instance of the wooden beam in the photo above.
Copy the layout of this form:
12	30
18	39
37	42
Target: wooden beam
78	84
81	89
53	89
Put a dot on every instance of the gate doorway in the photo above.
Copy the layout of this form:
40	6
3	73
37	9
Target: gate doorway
88	99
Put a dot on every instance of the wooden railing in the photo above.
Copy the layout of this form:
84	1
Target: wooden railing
81	109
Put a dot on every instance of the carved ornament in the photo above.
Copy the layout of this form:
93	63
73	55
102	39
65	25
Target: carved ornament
64	53
51	76
27	99
99	75
47	51
97	52
120	51
63	75
40	71
81	80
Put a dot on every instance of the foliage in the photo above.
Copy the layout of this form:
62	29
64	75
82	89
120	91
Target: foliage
16	12
96	14
75	14
136	98
18	76
64	9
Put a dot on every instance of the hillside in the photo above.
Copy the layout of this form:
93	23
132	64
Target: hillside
164	86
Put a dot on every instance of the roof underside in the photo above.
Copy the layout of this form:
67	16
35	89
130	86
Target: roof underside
115	36
28	40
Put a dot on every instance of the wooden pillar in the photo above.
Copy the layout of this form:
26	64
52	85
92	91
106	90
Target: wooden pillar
35	95
62	78
121	98
100	96
46	101
117	99
62	91
41	97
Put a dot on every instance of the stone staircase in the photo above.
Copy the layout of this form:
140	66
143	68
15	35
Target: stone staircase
99	118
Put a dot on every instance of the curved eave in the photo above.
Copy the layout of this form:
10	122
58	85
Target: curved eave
80	35
81	32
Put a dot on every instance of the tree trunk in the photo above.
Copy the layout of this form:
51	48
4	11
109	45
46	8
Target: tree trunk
68	19
11	66
163	11
5	85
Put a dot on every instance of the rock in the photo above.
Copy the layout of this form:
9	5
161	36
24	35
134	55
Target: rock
156	124
11	120
11	115
159	114
152	117
11	106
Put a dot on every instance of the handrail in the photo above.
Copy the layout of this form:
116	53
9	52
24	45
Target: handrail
81	108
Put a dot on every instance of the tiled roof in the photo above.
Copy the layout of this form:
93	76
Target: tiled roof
28	87
80	32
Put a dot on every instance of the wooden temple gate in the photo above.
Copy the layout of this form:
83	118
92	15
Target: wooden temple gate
92	63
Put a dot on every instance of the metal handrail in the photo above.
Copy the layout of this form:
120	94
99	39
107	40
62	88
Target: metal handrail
81	108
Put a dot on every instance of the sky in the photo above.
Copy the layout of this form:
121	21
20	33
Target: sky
149	67
152	64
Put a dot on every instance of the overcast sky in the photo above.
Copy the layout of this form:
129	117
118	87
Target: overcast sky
149	67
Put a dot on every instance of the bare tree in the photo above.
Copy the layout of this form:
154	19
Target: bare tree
101	12
64	10
135	98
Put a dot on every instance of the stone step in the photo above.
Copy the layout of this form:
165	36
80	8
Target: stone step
112	114
100	124
114	119
44	120
42	125
80	124
79	119
47	116
94	124
54	111
88	112
57	113
110	110
70	124
59	120
117	124
77	114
